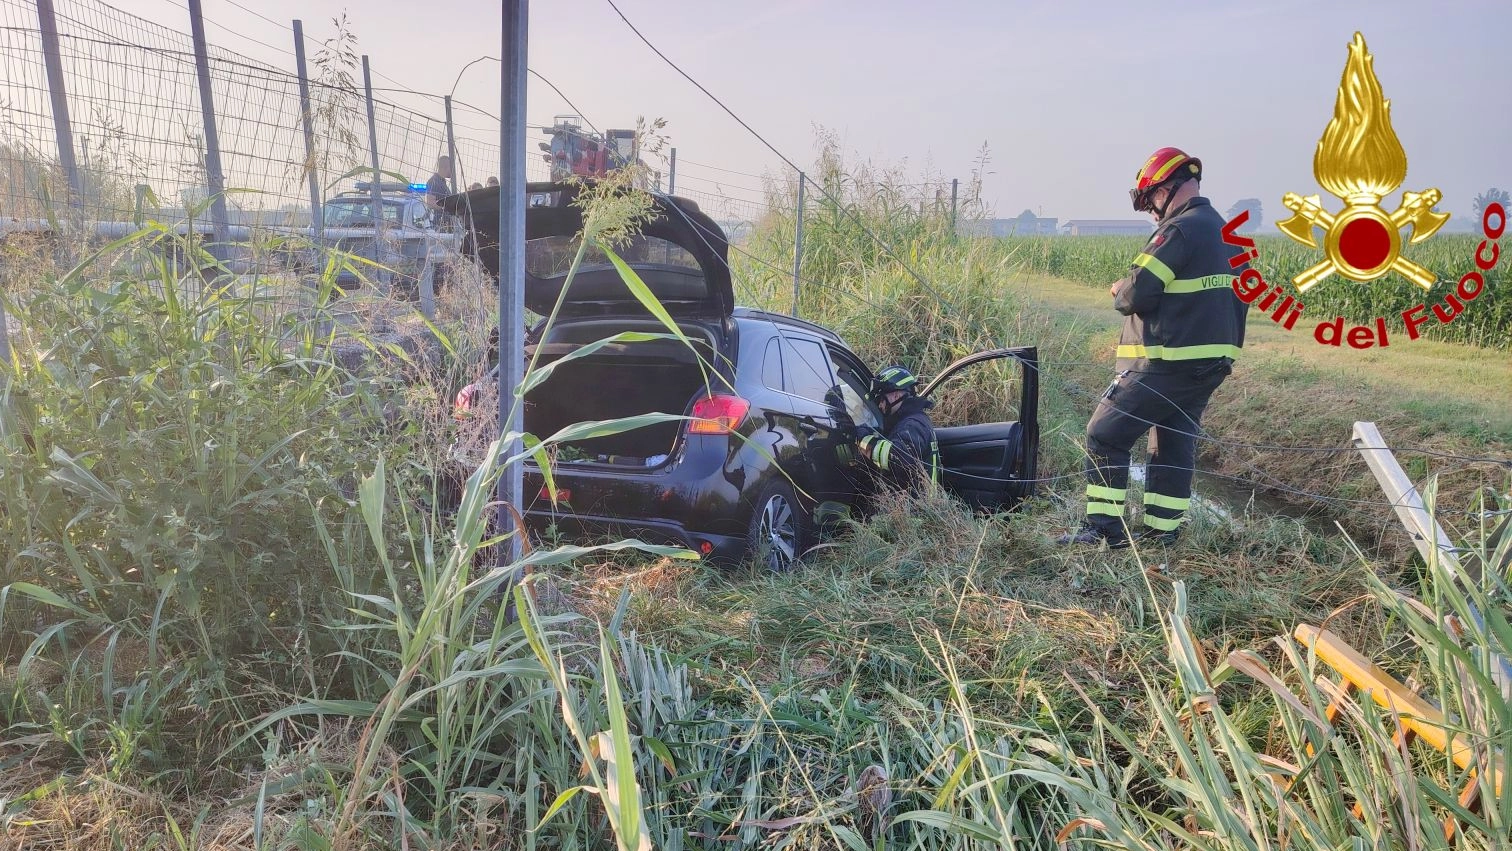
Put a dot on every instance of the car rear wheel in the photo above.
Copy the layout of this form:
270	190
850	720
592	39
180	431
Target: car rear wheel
781	530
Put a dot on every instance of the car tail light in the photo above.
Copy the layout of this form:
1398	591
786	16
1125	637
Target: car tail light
562	494
718	414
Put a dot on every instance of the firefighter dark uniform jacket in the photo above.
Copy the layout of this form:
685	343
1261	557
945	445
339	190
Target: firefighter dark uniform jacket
905	452
1178	297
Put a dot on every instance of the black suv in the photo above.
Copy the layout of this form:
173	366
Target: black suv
759	463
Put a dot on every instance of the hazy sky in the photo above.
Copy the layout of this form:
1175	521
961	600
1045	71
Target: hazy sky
1070	97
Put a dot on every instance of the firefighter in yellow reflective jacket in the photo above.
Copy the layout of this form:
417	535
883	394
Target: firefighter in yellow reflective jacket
1182	331
904	452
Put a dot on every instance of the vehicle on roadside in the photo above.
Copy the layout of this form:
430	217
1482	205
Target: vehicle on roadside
757	460
394	255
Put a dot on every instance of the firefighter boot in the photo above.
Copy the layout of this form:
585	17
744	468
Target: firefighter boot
1090	534
1158	537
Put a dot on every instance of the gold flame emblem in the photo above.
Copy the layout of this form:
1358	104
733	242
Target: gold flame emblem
1360	160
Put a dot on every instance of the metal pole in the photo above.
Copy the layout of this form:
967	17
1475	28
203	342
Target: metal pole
376	187
955	188
428	279
219	221
140	214
62	126
451	149
511	254
317	216
5	350
672	174
798	241
1427	535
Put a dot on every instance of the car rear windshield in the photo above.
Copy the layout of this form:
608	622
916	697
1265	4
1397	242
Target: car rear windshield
551	256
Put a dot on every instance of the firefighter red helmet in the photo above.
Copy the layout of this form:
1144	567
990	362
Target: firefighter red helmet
1167	166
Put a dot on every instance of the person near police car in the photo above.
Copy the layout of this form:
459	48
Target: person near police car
437	188
1183	329
904	452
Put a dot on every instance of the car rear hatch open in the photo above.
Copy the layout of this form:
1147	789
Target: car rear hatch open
619	381
680	254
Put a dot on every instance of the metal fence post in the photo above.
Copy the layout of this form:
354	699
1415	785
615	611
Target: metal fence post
512	52
219	221
376	187
672	173
317	215
428	283
5	350
955	188
798	241
139	212
62	126
428	278
451	148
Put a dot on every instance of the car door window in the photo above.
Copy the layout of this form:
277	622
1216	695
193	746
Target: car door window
983	392
854	392
771	366
806	371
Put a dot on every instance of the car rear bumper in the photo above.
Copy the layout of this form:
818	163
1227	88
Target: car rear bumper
690	502
588	529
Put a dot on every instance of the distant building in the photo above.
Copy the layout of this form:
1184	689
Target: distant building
1024	224
1107	227
737	231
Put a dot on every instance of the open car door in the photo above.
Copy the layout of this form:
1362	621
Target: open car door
992	466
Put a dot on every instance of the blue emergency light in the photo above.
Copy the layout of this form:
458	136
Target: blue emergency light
367	186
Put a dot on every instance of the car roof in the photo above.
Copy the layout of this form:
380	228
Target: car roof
368	196
755	315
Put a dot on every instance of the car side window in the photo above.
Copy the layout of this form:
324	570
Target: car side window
771	366
806	369
854	392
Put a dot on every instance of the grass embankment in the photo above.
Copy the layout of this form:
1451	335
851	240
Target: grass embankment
933	679
1289	391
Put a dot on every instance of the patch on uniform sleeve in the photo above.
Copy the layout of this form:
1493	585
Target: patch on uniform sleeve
1157	239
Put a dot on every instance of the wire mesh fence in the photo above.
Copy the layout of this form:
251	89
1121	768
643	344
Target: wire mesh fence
103	129
138	130
125	103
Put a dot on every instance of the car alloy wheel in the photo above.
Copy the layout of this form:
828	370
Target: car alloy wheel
778	534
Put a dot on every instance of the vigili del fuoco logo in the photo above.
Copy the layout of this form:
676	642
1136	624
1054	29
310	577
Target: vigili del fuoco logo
1360	160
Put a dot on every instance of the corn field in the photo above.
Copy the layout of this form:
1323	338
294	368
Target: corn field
1486	322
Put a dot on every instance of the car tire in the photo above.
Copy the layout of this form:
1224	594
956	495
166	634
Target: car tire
781	529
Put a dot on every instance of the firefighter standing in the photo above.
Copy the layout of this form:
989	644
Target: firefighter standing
1184	328
904	452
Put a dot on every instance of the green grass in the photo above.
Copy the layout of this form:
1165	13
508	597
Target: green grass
333	670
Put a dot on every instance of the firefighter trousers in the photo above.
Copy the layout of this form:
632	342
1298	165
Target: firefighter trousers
1170	403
